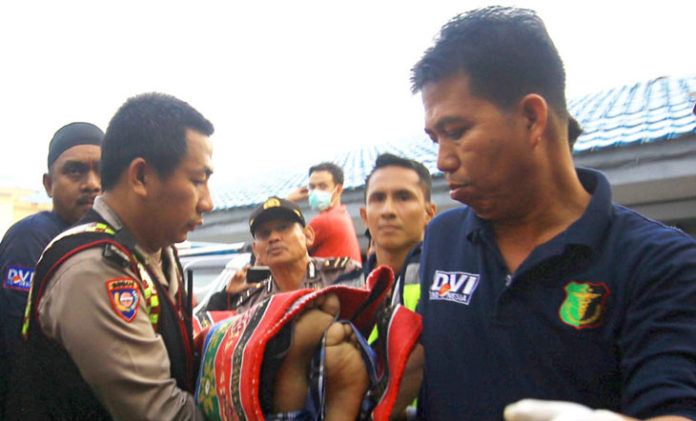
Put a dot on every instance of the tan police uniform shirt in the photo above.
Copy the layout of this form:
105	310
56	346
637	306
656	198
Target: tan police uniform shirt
125	363
320	273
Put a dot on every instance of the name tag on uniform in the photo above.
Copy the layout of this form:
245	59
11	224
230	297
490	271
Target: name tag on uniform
19	278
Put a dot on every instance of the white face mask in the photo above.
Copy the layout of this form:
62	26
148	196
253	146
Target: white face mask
319	200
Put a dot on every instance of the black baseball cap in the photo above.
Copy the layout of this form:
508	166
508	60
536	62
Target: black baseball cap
275	208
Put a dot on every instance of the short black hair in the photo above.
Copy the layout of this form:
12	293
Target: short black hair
574	131
335	170
505	52
390	160
151	126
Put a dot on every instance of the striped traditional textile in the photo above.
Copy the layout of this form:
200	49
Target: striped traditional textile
232	353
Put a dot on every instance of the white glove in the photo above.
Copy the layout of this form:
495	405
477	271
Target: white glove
538	410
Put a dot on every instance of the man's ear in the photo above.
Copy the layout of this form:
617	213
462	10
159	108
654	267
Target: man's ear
48	184
138	176
535	112
309	234
430	211
363	216
253	249
339	189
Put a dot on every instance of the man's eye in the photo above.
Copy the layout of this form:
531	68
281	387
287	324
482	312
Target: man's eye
454	134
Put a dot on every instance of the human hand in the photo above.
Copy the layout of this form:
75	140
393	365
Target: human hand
238	283
540	410
299	194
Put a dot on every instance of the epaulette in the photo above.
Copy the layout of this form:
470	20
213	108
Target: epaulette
116	255
245	295
335	263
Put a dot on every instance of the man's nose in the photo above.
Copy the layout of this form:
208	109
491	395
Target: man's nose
92	181
388	210
273	236
205	202
446	159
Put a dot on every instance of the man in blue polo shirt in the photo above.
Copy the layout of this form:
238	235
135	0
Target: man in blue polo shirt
540	287
72	182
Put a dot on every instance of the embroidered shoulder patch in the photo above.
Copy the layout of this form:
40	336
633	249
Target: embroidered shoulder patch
19	278
583	306
124	296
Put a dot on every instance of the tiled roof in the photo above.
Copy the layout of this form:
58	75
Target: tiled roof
645	112
651	111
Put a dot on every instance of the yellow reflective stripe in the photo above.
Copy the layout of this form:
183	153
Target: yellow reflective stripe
27	311
373	336
150	293
99	227
411	296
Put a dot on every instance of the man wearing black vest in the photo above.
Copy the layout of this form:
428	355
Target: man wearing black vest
107	334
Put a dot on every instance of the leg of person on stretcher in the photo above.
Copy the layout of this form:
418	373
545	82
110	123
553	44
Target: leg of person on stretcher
346	375
347	378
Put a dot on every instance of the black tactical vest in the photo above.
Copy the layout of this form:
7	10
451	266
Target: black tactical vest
47	383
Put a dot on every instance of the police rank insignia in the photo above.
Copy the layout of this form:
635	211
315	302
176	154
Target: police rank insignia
123	293
583	306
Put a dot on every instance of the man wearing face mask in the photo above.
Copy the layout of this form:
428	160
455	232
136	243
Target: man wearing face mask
333	227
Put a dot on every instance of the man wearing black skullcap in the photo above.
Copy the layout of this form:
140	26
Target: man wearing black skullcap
72	181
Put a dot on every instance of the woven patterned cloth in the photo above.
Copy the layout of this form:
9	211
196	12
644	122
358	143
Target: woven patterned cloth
233	349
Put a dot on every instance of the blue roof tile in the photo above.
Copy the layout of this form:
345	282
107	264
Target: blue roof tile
646	112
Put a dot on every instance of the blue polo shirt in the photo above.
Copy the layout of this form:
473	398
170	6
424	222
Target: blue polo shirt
604	314
20	249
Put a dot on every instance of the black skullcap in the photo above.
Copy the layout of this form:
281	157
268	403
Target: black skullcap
70	135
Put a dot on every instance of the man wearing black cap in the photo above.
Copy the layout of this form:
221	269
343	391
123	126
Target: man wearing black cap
281	240
72	181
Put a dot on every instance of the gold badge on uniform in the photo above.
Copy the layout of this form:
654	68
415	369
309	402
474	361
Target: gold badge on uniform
271	203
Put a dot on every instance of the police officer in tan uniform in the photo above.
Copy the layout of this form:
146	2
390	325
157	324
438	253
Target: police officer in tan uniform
281	241
107	334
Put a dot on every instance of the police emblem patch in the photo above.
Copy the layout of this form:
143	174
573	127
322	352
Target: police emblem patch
583	306
123	293
19	278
